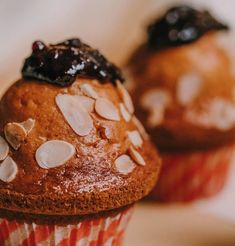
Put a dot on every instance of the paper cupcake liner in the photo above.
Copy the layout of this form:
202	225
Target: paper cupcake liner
190	176
102	231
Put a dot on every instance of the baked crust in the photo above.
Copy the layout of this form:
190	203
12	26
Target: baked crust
88	183
58	219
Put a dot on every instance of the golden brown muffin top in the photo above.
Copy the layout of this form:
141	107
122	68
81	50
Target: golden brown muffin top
72	150
185	95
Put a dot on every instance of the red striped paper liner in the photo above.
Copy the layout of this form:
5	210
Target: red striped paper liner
91	232
191	176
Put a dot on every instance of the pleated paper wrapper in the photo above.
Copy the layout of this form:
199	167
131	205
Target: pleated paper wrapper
100	231
186	177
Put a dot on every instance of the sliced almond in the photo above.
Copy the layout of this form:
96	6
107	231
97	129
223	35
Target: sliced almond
86	102
106	132
54	153
135	138
136	156
158	97
15	134
188	88
76	115
156	116
217	113
140	127
4	148
44	139
125	114
28	125
88	90
156	101
125	97
8	170
124	164
106	109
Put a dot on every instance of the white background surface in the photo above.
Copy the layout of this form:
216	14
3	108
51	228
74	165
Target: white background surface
115	27
161	225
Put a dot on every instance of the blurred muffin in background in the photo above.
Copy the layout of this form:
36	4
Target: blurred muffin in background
73	157
184	93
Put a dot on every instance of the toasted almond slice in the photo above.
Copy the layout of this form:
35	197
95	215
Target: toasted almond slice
28	125
189	86
125	97
44	139
75	114
158	97
106	132
218	113
156	116
124	164
106	109
86	102
135	138
15	134
8	170
125	114
89	91
54	153
136	156
4	148
140	127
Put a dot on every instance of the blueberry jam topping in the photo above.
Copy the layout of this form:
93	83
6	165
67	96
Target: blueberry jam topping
181	25
61	63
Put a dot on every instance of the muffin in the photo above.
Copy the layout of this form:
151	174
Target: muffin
74	159
184	92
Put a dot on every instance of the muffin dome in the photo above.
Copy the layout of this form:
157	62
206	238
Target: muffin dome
71	148
184	89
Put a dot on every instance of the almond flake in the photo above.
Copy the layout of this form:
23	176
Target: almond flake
28	125
15	134
86	102
8	170
106	132
89	91
136	156
125	97
155	98
4	149
156	116
106	109
140	127
155	101
188	88
217	113
44	139
75	114
125	114
135	138
54	153
124	164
